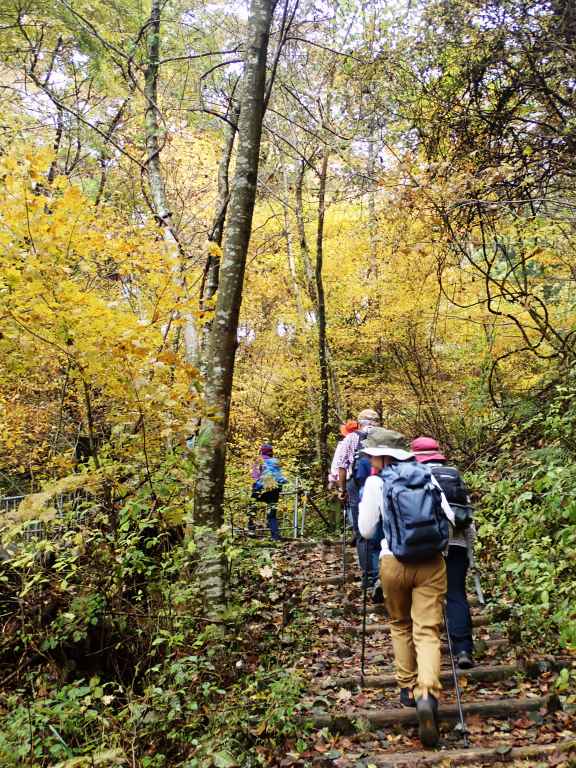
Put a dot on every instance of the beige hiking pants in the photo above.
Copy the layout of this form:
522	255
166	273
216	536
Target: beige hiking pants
414	598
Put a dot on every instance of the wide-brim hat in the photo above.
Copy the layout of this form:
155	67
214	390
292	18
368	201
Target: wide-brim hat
386	442
426	449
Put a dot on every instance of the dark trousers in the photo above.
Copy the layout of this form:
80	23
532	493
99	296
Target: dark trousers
457	608
368	549
272	520
270	498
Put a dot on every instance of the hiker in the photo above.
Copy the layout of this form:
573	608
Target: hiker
406	501
351	470
345	429
461	547
267	483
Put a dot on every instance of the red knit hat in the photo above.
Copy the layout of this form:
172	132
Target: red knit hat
348	427
426	449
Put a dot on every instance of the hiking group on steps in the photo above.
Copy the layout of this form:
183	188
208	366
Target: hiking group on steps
412	519
413	527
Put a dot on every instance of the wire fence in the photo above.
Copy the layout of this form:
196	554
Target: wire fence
72	507
247	516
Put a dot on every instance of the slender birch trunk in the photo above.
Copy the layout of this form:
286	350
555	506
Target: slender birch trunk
311	289
304	249
152	125
297	288
290	255
372	218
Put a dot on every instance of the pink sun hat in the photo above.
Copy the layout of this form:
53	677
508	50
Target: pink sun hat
426	449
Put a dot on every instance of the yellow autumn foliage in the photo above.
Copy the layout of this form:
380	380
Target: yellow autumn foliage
86	298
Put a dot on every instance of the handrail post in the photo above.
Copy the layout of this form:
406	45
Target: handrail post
295	519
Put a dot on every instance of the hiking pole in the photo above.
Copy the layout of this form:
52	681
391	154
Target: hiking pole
475	573
462	723
364	611
345	509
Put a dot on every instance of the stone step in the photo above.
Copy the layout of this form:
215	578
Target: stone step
484	674
473	756
497	708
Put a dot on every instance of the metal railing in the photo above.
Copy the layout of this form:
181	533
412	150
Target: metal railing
64	503
10	503
296	500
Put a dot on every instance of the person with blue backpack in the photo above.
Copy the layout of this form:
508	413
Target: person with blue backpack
266	487
460	549
351	470
406	501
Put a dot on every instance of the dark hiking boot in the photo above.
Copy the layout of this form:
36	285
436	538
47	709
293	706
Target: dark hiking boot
464	660
427	709
377	593
407	697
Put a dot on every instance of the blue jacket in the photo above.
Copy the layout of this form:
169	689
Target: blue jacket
270	471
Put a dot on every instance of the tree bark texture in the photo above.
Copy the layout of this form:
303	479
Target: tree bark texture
211	453
321	309
212	273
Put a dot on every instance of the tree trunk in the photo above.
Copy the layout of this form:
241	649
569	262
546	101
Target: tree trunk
304	250
372	218
296	288
302	326
311	289
336	404
152	120
212	273
211	453
321	310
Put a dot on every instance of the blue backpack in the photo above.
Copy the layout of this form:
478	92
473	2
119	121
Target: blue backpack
415	526
361	467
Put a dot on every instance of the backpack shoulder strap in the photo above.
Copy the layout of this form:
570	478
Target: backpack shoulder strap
446	508
453	473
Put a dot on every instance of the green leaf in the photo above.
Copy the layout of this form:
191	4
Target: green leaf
224	759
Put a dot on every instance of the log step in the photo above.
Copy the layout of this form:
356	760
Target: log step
498	708
481	647
310	544
350	579
484	674
473	756
481	620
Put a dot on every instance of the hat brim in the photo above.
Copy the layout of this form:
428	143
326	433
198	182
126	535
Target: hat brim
382	450
429	456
